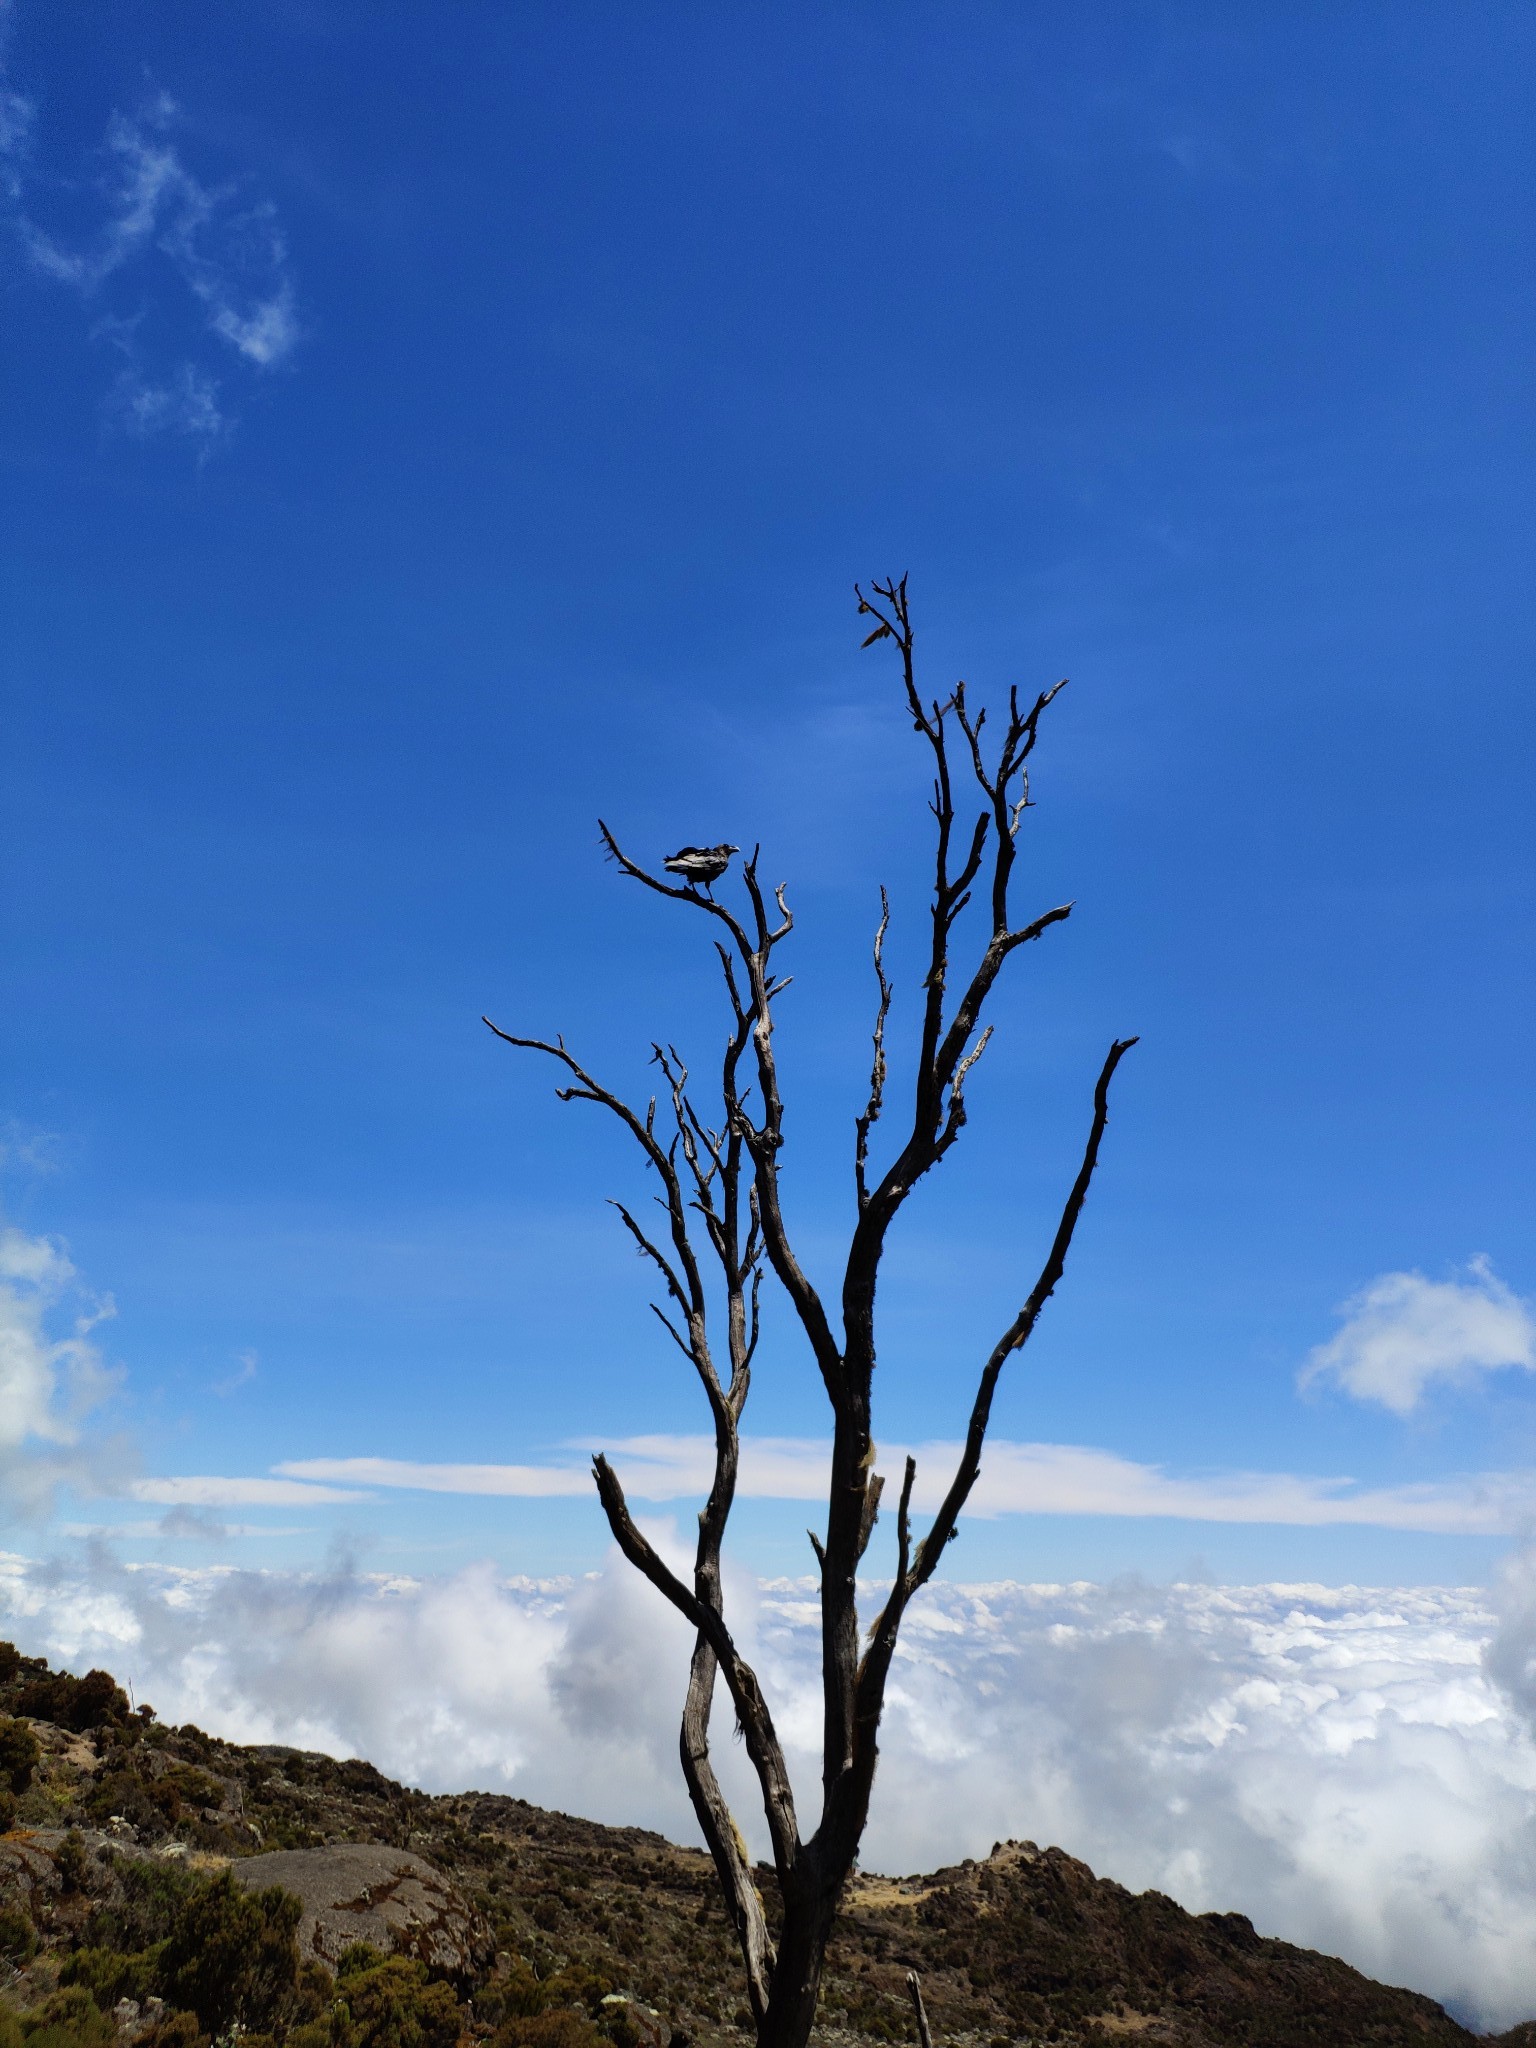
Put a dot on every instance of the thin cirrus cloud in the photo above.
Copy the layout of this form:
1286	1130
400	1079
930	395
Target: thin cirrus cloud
156	223
1404	1334
209	1491
1016	1478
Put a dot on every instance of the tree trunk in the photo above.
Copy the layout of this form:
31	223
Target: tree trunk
796	1982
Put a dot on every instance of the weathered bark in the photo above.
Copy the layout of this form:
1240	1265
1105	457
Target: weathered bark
915	1993
721	1197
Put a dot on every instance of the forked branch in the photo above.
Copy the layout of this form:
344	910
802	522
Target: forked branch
741	1682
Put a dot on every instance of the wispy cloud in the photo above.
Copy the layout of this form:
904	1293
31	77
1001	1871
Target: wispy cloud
16	113
187	405
26	1151
1403	1334
208	1491
177	1525
520	1482
155	221
1338	1763
1016	1479
243	1374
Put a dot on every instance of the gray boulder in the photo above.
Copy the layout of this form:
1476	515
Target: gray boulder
29	1880
358	1891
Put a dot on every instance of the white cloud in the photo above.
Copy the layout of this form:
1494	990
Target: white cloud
178	1524
48	1384
1404	1333
1511	1657
154	214
1016	1478
212	1492
1340	1764
522	1482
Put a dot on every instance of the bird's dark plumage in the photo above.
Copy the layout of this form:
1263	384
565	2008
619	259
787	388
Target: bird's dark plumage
700	865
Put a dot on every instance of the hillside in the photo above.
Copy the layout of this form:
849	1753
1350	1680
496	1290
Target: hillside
551	1932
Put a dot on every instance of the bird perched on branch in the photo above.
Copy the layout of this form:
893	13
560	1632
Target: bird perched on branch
700	865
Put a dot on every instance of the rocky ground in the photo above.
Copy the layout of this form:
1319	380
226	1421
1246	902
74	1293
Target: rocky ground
480	1916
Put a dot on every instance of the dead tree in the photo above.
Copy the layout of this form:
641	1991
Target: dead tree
719	1181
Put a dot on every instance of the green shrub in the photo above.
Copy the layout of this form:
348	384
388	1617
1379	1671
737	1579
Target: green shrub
521	1994
184	1785
315	1990
151	1803
19	1753
227	1956
149	1897
557	2028
18	1937
362	1955
180	2030
120	1792
109	1974
71	1861
80	1704
232	1956
390	2004
67	2019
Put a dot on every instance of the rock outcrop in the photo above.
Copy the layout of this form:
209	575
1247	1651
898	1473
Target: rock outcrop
358	1891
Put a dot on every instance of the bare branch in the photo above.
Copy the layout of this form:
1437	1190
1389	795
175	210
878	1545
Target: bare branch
968	1010
754	952
758	1733
648	1250
970	1060
865	1123
672	1331
1018	1332
1018	744
904	1522
955	1115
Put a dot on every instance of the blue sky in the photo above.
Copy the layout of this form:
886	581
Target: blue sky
419	435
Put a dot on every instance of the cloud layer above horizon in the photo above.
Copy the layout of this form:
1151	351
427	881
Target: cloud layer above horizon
1016	1478
1354	1769
1399	1335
